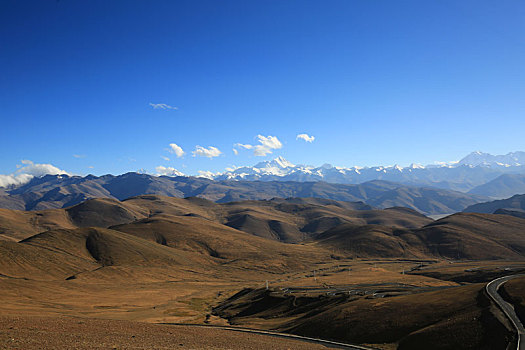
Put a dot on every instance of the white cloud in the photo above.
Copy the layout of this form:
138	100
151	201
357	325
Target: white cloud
79	156
209	152
267	145
14	180
27	171
243	146
305	137
232	168
40	169
162	106
235	151
174	148
206	174
168	171
165	158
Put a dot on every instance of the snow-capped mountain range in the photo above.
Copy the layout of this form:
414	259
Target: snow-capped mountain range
280	167
474	169
426	189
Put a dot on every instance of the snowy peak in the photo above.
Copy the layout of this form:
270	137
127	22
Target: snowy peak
397	167
488	160
278	162
277	167
416	166
283	163
477	158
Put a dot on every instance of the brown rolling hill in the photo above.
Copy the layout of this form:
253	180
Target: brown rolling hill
104	212
101	212
373	241
179	243
285	220
458	236
26	261
475	236
222	245
149	231
59	254
351	229
16	225
290	220
313	219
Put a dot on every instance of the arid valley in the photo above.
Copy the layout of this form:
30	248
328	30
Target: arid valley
318	268
262	174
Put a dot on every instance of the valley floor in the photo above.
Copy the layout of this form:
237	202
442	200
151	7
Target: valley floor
38	332
107	307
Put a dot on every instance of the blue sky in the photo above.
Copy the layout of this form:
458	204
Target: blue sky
375	82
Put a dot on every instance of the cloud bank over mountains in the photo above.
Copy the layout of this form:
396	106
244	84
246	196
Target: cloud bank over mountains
28	170
167	171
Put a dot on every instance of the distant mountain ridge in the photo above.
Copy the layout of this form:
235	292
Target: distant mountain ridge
502	187
473	170
59	191
431	189
514	204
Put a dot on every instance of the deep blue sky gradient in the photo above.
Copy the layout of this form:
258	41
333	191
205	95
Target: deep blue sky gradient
376	82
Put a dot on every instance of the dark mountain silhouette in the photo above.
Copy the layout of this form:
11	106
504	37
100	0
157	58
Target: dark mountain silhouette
503	186
60	191
510	206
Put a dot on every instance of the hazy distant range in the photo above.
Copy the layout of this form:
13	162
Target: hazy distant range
435	189
474	173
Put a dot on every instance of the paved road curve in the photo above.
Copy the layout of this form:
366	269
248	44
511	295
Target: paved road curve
328	343
492	290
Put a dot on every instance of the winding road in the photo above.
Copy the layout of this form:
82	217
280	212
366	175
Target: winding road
328	343
491	288
507	308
